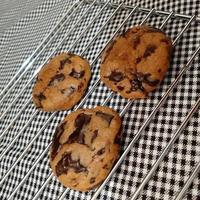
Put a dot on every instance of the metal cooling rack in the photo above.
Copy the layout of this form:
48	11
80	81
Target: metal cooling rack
28	64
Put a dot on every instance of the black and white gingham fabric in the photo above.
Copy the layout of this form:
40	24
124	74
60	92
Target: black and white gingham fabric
24	24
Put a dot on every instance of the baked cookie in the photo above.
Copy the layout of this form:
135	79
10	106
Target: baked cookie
85	147
61	83
136	62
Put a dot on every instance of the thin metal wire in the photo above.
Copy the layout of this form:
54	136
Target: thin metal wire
43	44
107	99
88	26
189	181
147	121
38	69
54	113
158	12
166	20
111	93
26	149
32	117
15	118
18	134
126	108
165	151
29	172
9	88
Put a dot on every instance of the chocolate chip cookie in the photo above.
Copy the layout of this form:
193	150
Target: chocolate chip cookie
61	83
85	147
136	62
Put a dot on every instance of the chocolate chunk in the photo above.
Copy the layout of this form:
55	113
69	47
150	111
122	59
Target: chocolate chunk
66	163
55	142
92	180
149	50
140	78
95	133
159	70
40	96
115	76
117	139
136	42
101	151
138	60
63	62
107	117
77	74
68	91
78	135
120	87
57	78
136	83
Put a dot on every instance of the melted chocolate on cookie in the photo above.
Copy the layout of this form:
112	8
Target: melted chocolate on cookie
115	76
77	75
63	62
66	163
57	78
78	135
55	141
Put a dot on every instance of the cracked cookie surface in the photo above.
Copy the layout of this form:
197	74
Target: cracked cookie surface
61	82
134	63
85	147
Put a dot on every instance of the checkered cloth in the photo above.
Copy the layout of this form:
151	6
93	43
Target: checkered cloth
23	25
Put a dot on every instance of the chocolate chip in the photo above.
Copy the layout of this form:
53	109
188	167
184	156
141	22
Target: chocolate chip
136	42
95	133
120	87
136	83
66	163
92	180
56	138
68	91
140	78
40	96
63	62
149	50
117	139
107	117
78	135
77	75
115	76
138	60
159	70
57	78
101	151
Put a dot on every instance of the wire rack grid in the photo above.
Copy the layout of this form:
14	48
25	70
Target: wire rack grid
84	31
